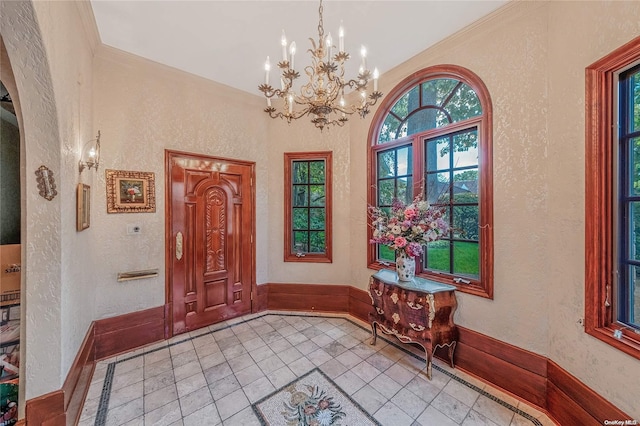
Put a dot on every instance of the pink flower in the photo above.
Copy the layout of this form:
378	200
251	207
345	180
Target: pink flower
400	242
410	213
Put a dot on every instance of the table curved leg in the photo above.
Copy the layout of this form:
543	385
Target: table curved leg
374	330
452	348
429	352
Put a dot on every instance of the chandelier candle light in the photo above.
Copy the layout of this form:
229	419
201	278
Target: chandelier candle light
322	97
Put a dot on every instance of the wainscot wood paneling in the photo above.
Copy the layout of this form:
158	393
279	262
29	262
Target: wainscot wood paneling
64	406
359	303
124	332
563	386
520	382
78	379
308	297
47	409
261	300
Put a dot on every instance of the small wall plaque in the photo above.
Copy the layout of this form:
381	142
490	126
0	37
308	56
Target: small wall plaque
46	184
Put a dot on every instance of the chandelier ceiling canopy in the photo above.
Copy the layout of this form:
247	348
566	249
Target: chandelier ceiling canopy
322	97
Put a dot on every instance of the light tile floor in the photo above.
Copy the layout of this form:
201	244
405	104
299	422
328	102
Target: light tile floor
212	376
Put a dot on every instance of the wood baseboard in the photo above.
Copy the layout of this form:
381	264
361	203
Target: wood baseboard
125	332
308	297
570	401
533	378
65	405
47	409
78	379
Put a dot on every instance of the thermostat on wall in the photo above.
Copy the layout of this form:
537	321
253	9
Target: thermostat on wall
134	229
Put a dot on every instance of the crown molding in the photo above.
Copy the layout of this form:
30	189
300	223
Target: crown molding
89	24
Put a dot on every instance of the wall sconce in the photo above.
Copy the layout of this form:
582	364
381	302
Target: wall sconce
90	154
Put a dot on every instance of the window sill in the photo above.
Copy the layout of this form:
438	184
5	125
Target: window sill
628	343
308	258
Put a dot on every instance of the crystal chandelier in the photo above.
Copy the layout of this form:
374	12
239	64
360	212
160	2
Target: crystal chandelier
322	97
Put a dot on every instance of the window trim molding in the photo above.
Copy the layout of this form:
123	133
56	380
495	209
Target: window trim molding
289	157
484	287
600	78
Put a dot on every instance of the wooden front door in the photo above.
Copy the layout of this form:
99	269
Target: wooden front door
210	251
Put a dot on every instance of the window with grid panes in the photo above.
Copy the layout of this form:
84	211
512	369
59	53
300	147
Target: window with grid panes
308	207
612	208
432	138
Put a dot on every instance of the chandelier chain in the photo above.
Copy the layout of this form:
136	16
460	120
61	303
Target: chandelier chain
321	23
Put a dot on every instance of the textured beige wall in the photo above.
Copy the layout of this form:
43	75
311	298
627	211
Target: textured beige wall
532	56
51	60
302	136
143	108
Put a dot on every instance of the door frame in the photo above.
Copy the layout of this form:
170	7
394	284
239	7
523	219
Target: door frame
170	240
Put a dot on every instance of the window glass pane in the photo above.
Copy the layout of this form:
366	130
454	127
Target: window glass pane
405	190
465	186
438	256
404	162
316	242
300	195
437	189
465	149
386	192
300	219
634	231
300	242
316	170
437	154
389	130
465	222
386	254
386	164
300	172
464	104
434	92
407	103
634	167
634	122
465	258
634	293
425	119
317	195
317	218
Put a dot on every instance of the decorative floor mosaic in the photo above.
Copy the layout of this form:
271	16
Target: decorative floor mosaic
229	373
311	399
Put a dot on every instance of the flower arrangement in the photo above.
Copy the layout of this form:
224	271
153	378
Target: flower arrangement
408	227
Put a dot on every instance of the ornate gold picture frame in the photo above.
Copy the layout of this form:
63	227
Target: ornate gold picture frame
83	204
130	192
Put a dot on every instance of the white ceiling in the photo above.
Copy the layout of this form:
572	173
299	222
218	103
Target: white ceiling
228	41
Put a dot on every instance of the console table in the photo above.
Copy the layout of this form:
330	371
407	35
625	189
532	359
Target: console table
418	311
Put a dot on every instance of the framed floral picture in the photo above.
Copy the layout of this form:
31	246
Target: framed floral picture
130	192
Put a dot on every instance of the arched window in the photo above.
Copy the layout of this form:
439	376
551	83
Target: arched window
431	137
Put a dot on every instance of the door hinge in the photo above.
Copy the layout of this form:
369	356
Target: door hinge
251	296
251	238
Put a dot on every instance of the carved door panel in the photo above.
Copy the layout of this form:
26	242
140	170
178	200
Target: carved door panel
210	229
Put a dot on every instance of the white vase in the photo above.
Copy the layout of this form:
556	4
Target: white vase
405	266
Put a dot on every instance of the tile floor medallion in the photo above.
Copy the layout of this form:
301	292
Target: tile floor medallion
228	374
313	399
